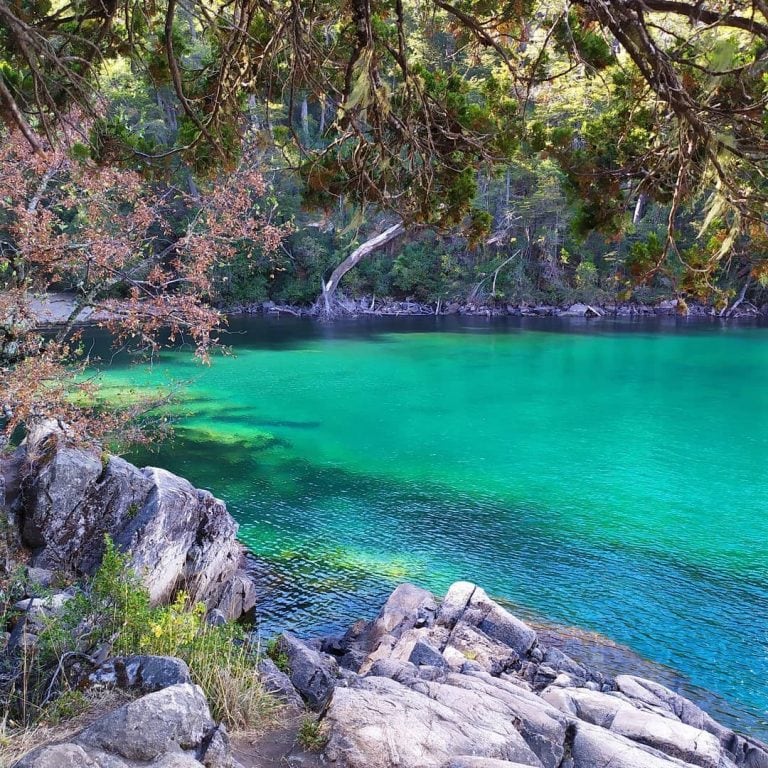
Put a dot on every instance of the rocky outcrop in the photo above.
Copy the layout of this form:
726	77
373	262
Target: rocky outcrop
463	683
171	728
65	500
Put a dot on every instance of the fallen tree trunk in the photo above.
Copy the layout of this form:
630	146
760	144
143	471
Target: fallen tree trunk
365	249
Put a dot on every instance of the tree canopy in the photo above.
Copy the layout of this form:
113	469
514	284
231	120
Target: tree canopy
167	153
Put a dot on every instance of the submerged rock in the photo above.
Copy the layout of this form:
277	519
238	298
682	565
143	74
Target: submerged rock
177	537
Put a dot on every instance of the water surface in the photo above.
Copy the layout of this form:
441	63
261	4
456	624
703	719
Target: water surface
609	476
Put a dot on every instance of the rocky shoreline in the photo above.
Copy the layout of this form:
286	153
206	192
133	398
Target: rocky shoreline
457	682
53	310
462	683
372	307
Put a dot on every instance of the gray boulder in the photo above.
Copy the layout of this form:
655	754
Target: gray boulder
171	728
498	623
177	537
144	673
176	718
58	756
279	684
312	674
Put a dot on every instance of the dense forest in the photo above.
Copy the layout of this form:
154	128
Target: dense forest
163	159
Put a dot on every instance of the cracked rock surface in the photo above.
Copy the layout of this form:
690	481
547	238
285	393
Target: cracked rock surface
462	683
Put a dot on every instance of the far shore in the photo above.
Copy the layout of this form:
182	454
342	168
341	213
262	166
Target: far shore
55	309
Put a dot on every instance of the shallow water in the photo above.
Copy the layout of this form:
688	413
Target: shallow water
609	476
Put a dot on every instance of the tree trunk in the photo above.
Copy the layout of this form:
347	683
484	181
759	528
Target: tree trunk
305	118
642	202
354	258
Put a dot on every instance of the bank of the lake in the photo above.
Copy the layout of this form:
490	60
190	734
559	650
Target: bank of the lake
605	475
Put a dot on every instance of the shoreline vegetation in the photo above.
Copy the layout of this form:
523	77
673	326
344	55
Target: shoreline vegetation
55	309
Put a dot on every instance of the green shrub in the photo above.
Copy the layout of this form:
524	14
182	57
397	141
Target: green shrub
311	736
114	608
279	656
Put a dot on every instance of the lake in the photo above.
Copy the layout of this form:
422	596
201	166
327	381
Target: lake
610	476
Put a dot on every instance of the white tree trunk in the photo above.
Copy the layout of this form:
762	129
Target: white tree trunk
354	258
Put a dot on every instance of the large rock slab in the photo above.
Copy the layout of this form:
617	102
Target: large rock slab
177	537
594	747
672	737
379	723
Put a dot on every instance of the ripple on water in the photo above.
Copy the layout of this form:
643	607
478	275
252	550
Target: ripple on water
604	476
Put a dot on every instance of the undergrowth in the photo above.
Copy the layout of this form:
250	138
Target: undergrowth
112	615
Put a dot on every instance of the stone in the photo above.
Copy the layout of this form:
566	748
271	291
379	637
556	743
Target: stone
378	723
408	606
541	725
582	310
499	624
312	674
467	761
455	603
171	728
473	645
277	683
218	751
57	756
176	536
144	673
594	747
176	760
660	698
672	737
591	706
561	662
39	577
424	654
175	718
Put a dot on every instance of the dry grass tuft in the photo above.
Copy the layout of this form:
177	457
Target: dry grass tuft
17	742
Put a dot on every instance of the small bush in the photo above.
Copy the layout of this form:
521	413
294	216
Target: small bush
115	609
279	656
311	736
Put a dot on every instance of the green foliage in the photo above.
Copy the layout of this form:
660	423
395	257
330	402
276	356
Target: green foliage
311	735
278	655
115	608
644	256
68	705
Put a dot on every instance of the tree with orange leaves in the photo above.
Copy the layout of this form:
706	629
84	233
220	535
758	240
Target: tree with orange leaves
100	233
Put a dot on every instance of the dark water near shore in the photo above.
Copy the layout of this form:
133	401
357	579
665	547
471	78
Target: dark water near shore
609	476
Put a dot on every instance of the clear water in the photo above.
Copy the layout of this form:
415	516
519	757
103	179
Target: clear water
607	476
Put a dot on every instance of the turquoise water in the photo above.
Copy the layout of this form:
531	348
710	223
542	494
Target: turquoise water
607	476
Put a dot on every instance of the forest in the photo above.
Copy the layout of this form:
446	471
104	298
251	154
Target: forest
202	510
165	161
